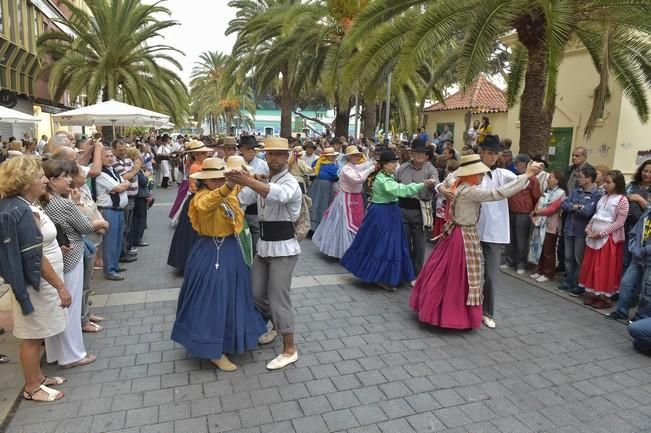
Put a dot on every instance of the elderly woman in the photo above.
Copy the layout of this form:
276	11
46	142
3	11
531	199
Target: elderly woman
32	263
215	314
448	291
67	348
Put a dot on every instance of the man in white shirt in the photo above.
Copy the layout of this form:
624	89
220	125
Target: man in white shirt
493	225
472	134
279	206
40	147
111	197
259	167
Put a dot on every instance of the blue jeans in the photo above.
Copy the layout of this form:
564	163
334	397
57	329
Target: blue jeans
112	243
634	277
574	248
641	333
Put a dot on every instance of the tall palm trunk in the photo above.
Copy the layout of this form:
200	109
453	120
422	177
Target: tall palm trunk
342	119
286	104
369	119
535	118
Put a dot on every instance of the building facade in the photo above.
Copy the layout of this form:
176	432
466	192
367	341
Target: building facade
23	84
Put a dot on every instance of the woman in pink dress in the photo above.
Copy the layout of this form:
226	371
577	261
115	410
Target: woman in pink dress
448	290
601	270
343	217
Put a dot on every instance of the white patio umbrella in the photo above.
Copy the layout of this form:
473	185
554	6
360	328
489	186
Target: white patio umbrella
111	113
7	115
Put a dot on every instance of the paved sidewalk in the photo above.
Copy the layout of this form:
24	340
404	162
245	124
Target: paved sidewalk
366	365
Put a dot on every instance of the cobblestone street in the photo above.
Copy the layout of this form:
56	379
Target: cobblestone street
366	364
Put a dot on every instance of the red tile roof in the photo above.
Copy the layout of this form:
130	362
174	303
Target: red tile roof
481	97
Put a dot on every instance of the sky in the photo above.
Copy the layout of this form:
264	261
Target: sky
202	27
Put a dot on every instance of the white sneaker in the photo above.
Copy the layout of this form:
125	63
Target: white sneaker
281	361
489	322
542	279
520	272
534	276
268	336
504	266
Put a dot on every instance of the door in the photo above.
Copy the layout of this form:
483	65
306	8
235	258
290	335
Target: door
560	147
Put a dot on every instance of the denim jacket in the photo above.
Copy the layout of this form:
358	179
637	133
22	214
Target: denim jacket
21	250
578	219
639	247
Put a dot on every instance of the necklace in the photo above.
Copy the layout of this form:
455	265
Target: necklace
218	243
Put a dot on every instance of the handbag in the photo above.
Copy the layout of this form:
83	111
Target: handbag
62	237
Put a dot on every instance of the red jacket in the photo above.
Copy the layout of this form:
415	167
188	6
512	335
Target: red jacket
525	201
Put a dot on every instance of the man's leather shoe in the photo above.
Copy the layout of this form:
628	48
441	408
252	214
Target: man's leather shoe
142	244
128	259
114	277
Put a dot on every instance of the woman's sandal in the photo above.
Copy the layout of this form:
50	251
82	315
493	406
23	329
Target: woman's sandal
53	380
52	394
88	359
95	318
91	327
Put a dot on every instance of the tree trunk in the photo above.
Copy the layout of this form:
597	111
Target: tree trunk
535	119
107	131
286	105
342	119
369	119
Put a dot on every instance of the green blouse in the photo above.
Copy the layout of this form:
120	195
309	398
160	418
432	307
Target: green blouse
387	190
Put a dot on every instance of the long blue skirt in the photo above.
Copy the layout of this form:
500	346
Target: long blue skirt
380	253
184	238
215	312
321	193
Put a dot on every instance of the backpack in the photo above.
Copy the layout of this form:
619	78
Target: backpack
302	225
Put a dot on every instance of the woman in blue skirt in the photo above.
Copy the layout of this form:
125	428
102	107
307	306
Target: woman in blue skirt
379	253
216	314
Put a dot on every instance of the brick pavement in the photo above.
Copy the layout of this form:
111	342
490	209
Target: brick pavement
366	365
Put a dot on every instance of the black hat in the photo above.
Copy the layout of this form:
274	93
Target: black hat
380	148
388	156
248	142
418	145
492	142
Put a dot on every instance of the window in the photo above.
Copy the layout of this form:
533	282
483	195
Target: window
19	20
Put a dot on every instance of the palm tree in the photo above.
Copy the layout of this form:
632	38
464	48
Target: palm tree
109	54
615	33
212	99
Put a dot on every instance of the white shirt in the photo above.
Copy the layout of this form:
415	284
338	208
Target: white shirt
283	203
259	166
493	225
309	159
104	184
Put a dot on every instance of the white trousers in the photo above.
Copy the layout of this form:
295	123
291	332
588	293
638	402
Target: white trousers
68	346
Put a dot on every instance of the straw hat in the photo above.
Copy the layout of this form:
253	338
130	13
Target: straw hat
211	168
236	162
469	165
329	151
196	146
298	149
230	141
275	143
352	150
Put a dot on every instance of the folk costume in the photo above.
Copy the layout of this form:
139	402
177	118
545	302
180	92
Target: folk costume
184	234
601	270
417	211
380	252
277	251
344	216
548	225
215	312
448	290
299	168
322	188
